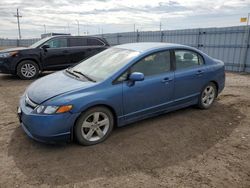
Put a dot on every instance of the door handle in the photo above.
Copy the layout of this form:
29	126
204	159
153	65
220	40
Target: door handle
199	72
166	80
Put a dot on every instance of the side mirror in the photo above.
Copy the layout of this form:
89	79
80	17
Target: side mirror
45	46
136	76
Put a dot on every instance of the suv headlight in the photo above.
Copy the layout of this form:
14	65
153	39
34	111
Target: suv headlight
53	109
8	54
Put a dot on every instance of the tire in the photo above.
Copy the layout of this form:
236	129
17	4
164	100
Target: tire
94	126
27	70
207	96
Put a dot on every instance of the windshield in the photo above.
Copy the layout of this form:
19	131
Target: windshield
106	63
38	43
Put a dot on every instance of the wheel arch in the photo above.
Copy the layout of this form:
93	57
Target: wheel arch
216	85
28	59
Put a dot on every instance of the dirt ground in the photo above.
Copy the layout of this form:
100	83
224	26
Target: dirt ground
185	148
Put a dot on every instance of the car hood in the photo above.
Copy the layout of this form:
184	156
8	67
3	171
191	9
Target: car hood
13	49
53	85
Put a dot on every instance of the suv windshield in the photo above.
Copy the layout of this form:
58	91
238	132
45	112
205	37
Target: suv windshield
38	43
106	63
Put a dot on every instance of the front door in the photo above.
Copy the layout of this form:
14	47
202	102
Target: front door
155	92
57	55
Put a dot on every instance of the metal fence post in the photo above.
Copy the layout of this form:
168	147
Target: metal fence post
245	46
198	38
137	36
118	41
162	34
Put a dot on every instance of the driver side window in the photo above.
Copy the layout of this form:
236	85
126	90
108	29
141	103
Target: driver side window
57	43
153	64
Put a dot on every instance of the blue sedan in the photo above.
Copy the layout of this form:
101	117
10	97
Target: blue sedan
118	86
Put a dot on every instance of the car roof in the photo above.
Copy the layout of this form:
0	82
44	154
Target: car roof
148	46
71	36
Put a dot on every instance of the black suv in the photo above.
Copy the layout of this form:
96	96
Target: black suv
53	53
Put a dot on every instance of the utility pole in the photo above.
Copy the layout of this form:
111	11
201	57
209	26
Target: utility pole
77	21
68	29
160	26
18	23
134	28
44	28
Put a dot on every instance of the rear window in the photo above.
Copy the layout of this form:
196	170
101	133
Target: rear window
94	42
77	42
187	59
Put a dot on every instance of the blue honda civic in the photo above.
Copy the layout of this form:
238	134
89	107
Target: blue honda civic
118	86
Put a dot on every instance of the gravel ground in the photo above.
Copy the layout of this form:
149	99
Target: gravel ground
185	148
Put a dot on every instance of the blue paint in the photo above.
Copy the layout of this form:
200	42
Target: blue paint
153	95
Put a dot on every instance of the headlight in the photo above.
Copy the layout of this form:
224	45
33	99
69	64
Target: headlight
8	54
53	109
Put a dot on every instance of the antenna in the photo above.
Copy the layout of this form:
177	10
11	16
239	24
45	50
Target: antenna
78	31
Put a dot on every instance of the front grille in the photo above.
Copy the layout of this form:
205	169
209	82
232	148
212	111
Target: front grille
29	102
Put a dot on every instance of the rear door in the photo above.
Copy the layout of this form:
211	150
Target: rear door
96	46
57	55
190	75
78	49
82	48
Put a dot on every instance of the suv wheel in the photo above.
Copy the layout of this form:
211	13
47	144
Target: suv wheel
27	70
94	126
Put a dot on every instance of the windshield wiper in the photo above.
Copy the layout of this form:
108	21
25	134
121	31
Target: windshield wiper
71	73
84	75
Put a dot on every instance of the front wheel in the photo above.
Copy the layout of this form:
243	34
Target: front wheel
94	126
27	70
207	96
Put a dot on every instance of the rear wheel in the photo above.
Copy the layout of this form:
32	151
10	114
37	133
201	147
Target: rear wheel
207	96
94	126
27	70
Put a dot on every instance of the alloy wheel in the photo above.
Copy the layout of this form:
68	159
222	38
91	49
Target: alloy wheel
95	126
208	96
28	70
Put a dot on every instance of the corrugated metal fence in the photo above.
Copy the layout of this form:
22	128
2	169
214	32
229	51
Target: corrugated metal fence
16	42
230	44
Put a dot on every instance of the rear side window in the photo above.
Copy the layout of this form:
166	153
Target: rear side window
153	64
94	42
187	59
77	42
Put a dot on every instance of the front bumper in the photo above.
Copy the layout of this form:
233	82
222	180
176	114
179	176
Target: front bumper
46	128
52	139
5	66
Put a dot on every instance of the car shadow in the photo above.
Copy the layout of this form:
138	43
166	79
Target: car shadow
9	80
10	77
144	146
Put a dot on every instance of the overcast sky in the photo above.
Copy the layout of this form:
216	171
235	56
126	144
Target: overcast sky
111	16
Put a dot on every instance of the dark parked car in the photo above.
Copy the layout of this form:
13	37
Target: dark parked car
53	53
